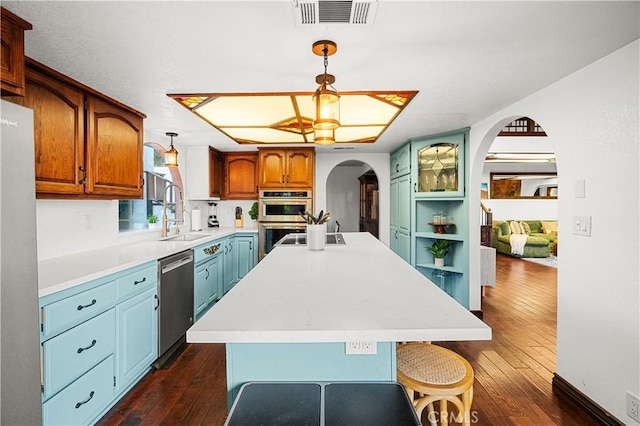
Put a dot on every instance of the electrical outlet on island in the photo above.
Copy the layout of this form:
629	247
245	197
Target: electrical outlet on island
633	406
361	348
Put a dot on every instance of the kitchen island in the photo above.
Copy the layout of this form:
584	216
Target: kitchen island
291	317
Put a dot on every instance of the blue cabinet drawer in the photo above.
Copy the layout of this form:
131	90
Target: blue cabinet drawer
69	355
137	282
84	399
207	251
58	316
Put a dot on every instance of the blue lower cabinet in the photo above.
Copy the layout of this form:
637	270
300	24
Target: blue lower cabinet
71	354
246	246
137	344
82	400
230	264
208	276
97	340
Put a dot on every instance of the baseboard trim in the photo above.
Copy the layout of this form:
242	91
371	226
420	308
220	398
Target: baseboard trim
563	388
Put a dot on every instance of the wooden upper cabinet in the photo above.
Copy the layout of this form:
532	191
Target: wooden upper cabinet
271	168
286	168
58	114
215	172
300	171
113	150
86	144
241	176
12	53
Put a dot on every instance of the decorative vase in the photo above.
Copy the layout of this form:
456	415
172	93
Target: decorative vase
439	261
316	237
153	225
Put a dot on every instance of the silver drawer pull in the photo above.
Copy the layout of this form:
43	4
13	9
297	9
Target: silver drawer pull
141	281
93	343
81	403
93	302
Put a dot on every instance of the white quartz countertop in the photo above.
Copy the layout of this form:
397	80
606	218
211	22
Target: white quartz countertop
61	273
359	291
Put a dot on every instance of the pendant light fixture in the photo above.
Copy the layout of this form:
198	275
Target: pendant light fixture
326	97
324	137
171	155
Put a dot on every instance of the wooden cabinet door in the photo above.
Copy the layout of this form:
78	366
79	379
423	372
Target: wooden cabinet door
58	114
114	150
241	176
299	171
215	173
272	168
12	63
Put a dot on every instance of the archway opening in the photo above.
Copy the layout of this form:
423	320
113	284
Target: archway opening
353	198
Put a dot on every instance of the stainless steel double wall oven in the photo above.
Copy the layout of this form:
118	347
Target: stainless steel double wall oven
279	215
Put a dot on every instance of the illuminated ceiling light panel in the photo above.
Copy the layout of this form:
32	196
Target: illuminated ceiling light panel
287	118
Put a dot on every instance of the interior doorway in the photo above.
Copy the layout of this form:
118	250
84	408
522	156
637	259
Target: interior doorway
352	198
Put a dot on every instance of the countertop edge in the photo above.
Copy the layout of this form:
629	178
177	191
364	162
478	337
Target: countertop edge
58	274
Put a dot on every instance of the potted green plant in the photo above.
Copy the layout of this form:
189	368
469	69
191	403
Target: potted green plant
439	249
153	221
253	212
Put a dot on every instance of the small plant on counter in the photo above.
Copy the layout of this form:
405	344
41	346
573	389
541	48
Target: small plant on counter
439	248
253	212
152	218
315	220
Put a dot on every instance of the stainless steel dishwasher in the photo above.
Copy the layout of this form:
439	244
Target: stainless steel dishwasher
175	307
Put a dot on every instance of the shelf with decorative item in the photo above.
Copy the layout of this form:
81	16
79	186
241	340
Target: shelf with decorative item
439	251
435	235
433	266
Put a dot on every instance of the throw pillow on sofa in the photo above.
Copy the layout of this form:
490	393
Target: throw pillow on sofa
526	229
505	229
515	227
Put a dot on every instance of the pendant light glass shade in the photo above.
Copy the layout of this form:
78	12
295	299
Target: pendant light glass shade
327	109
171	155
324	136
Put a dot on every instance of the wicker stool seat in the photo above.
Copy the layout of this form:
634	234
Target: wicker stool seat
436	374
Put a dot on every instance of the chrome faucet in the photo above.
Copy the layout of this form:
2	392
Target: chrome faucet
166	222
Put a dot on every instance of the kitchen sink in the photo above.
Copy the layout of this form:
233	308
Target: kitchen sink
301	240
185	237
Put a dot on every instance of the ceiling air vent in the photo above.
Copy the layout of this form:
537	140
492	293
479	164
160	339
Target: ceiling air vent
313	12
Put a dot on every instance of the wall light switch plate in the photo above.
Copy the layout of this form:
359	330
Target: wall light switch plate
582	225
580	188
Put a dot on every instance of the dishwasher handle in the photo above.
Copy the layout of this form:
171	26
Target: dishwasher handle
178	263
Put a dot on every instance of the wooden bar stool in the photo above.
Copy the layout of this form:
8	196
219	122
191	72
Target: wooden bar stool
436	374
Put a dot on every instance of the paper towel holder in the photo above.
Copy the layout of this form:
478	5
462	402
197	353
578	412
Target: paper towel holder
196	219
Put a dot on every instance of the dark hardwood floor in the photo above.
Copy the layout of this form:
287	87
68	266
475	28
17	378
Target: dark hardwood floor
513	371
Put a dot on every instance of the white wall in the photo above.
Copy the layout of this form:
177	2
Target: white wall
343	198
379	164
591	118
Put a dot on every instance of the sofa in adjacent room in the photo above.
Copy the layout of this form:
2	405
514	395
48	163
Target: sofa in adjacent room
541	236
